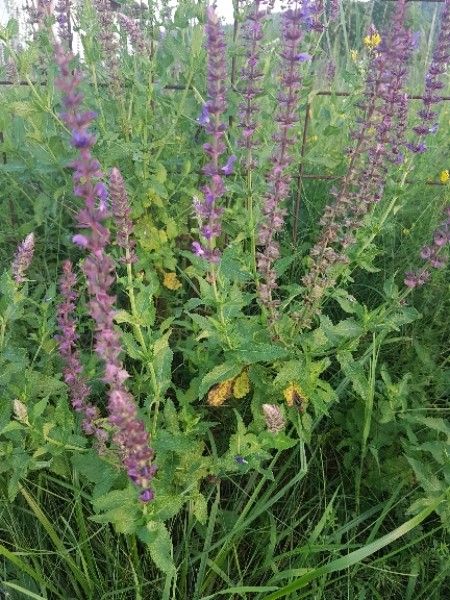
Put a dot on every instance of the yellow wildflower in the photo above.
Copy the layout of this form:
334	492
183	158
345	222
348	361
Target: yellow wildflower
220	392
171	282
373	40
444	176
241	385
295	396
354	55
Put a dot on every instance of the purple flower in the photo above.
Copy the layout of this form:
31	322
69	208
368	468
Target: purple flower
417	148
203	119
303	57
228	168
80	240
23	258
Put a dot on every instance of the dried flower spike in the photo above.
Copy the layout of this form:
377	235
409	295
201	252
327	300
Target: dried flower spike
23	258
274	418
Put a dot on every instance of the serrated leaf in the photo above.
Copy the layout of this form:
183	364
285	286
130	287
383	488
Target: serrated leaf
162	362
156	536
355	372
120	508
200	508
258	353
277	441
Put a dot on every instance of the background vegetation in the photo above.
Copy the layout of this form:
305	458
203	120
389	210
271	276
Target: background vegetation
352	500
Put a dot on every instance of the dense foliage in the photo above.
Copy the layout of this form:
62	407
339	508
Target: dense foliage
225	301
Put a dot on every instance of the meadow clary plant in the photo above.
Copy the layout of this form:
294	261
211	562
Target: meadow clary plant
384	112
130	435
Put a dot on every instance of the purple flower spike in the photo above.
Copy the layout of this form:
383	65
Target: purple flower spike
377	143
121	210
252	74
133	30
206	209
62	13
130	435
23	258
67	340
434	82
279	177
433	255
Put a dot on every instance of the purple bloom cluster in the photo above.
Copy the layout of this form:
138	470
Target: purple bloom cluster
377	143
334	10
67	339
432	254
311	13
120	207
38	11
107	38
433	83
206	209
133	30
62	14
130	434
251	73
279	178
23	258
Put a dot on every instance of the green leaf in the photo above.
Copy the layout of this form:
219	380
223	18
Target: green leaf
120	508
255	353
162	362
200	509
278	441
96	471
156	536
355	372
